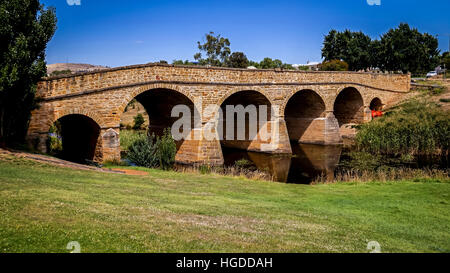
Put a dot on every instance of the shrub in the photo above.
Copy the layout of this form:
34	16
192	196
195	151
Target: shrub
128	136
414	128
334	65
141	152
61	72
153	152
138	121
166	150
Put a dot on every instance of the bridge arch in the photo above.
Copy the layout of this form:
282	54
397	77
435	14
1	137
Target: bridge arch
159	101
77	138
246	134
376	104
96	117
240	89
304	114
349	106
148	87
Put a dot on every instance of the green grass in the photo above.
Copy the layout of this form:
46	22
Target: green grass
42	208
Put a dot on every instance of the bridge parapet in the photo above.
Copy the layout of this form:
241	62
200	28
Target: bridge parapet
159	73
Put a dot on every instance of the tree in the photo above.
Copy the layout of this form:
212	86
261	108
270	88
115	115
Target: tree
180	62
351	47
237	60
217	50
401	49
445	59
334	65
268	63
25	29
407	50
138	122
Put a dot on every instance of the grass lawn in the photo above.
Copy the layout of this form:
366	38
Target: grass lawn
44	207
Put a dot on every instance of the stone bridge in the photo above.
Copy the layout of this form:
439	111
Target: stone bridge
311	106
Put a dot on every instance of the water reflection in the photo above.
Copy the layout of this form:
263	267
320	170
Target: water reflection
307	162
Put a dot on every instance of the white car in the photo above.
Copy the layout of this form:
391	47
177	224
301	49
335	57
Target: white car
432	74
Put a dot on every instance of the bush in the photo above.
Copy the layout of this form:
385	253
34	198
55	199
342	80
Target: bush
334	65
414	128
138	122
61	72
129	136
153	152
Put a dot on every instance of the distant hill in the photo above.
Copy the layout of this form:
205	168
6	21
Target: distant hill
74	68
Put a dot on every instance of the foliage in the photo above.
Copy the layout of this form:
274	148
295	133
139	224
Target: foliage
141	152
181	62
351	47
334	65
402	49
406	49
237	60
127	137
131	104
166	150
415	128
61	72
303	68
216	48
54	141
268	63
138	122
153	152
445	59
25	29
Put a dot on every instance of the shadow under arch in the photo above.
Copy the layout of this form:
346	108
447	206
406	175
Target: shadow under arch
241	137
376	104
79	138
349	106
304	115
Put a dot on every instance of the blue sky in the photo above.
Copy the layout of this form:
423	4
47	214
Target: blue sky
117	33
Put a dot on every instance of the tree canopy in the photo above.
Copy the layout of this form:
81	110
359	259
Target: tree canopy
401	49
237	60
25	29
216	48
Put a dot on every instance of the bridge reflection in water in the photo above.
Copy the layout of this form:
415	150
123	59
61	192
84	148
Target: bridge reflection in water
308	162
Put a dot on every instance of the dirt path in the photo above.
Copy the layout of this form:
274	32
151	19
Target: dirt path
62	163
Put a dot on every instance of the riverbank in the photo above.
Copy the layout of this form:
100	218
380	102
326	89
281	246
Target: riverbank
43	208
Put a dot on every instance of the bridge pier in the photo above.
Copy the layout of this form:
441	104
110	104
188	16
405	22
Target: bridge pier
322	130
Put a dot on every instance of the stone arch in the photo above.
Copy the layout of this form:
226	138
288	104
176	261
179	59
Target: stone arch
361	90
77	111
240	89
304	114
349	106
376	104
246	133
80	138
158	101
148	87
295	92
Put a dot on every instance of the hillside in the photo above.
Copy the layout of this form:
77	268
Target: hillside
75	68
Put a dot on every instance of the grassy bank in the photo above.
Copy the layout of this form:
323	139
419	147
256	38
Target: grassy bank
43	207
